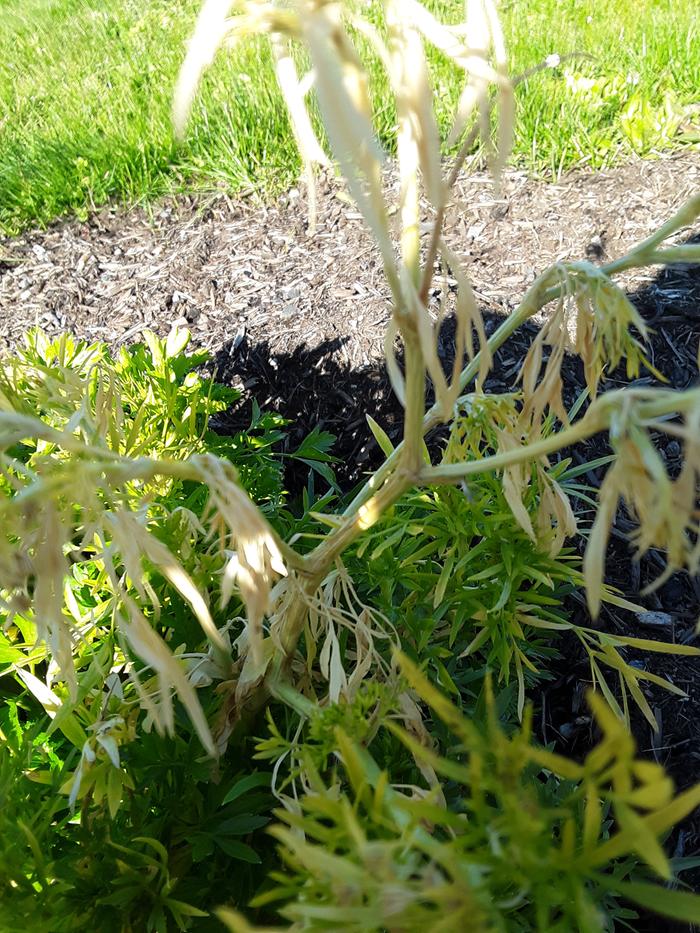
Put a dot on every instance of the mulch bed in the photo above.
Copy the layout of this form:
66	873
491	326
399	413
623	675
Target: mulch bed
297	321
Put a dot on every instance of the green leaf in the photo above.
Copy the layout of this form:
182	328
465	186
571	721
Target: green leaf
202	847
582	468
685	863
660	647
445	680
233	920
238	850
322	469
186	909
315	446
557	764
39	777
67	722
241	825
156	347
259	779
114	791
154	844
380	436
679	905
8	653
388	542
645	844
658	823
445	577
355	765
449	714
677	810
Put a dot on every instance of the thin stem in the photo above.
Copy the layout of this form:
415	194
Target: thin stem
659	402
415	406
644	407
688	252
684	216
283	690
457	165
646	254
358	521
533	301
453	472
436	233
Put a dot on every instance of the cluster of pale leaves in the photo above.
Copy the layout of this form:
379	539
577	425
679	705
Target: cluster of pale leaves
59	510
592	318
666	510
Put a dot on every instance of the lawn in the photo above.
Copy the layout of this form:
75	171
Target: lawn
85	91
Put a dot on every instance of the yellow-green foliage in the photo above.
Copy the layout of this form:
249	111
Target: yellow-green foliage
522	844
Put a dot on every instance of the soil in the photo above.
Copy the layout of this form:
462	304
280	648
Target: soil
297	318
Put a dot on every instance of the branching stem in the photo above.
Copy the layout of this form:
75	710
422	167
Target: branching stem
597	418
536	298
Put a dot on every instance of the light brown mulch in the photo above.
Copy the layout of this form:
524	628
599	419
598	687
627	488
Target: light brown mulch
229	269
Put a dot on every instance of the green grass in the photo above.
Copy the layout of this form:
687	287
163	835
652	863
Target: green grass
85	90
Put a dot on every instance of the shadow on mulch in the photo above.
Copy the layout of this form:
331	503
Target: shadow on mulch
310	388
